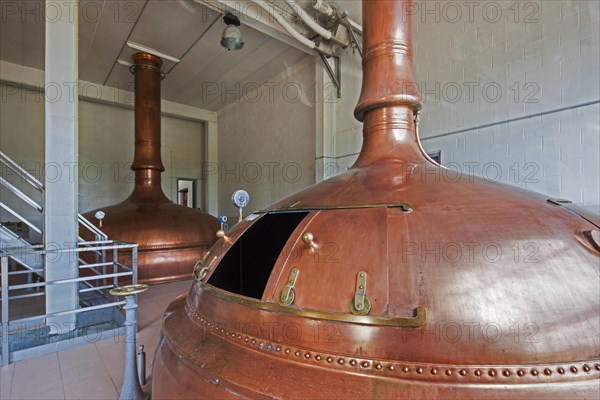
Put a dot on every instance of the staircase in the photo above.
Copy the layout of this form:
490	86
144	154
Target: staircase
102	265
23	188
26	193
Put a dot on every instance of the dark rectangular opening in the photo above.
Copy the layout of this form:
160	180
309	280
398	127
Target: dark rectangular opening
246	267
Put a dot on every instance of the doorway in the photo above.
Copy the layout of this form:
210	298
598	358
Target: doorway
186	192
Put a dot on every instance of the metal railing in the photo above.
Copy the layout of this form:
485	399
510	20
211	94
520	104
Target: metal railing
100	255
31	181
85	223
93	276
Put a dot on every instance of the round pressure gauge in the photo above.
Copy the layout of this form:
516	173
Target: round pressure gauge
240	198
99	214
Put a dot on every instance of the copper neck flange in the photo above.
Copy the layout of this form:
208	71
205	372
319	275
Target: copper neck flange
389	136
389	98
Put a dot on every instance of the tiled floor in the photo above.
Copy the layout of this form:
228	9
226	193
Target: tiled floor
92	371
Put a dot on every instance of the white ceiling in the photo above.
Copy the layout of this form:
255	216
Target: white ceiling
208	76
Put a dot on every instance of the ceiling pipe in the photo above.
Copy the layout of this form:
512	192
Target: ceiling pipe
324	8
312	24
329	11
265	5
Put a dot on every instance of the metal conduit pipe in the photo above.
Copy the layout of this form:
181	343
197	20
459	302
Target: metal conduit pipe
326	9
265	5
312	24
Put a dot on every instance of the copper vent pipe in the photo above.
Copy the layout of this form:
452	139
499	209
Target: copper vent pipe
147	161
387	63
389	96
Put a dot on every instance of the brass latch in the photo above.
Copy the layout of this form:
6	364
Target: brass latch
286	297
360	304
308	238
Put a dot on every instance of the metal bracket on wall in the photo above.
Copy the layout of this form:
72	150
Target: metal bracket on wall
355	42
335	76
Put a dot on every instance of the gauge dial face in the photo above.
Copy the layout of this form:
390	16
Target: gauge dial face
240	198
99	214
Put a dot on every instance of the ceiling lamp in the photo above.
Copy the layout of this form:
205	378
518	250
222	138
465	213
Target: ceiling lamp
231	38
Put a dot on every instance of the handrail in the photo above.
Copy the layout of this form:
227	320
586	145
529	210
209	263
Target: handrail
69	312
20	194
91	227
70	280
27	178
18	247
21	172
21	218
33	181
88	282
101	245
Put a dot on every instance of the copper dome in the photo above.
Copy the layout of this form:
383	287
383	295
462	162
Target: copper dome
171	238
397	279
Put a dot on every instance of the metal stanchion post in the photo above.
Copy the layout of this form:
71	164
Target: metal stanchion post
5	319
131	389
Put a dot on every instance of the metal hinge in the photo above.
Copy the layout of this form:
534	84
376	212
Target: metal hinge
203	269
286	297
360	304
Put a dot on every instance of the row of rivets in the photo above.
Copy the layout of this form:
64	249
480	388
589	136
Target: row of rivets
391	367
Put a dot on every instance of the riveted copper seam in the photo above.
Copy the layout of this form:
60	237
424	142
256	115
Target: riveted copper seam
482	374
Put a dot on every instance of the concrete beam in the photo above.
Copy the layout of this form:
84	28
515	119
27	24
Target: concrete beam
34	79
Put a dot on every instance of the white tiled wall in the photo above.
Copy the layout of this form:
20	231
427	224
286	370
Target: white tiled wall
507	60
267	147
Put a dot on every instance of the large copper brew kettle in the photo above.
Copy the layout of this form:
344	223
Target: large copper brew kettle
396	279
171	238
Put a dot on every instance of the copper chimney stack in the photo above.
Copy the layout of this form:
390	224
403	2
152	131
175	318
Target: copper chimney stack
147	161
171	238
393	280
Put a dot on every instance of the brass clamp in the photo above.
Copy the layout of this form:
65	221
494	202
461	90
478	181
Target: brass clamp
360	304
203	271
286	297
150	67
200	271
